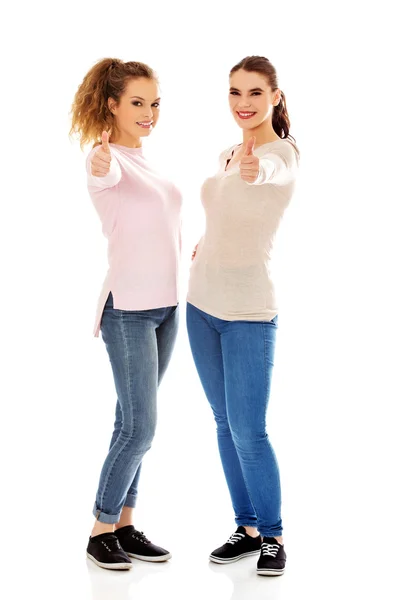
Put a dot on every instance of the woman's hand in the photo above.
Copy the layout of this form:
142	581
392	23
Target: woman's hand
249	164
101	160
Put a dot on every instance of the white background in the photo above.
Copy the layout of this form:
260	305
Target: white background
333	415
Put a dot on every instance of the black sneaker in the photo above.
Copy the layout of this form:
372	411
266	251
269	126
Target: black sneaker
105	550
136	544
272	559
239	545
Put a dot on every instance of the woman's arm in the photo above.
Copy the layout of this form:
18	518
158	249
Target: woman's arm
277	167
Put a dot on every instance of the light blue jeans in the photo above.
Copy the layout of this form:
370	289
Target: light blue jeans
139	345
234	360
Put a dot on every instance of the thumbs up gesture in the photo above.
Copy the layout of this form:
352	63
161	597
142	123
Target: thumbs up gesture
249	164
101	159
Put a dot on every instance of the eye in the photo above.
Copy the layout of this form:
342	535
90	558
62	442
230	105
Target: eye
234	93
136	103
256	94
156	104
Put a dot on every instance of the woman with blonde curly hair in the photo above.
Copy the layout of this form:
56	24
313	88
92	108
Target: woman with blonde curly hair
116	105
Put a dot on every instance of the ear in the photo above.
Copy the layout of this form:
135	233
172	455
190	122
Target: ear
277	97
111	105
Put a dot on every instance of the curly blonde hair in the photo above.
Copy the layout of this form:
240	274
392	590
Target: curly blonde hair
90	114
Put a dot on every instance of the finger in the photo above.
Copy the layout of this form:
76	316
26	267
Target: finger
102	157
248	177
101	168
104	142
248	160
99	173
250	146
98	169
248	171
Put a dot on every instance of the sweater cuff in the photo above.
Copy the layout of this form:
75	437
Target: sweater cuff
265	172
110	180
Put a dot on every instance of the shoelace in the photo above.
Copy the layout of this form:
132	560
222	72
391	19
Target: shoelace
269	549
235	537
111	543
139	535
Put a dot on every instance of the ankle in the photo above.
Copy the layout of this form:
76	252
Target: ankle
251	531
122	524
126	517
279	539
99	528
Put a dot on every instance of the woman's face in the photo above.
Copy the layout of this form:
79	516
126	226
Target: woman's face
251	99
137	111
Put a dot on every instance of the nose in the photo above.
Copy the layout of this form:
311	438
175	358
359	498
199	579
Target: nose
244	104
149	113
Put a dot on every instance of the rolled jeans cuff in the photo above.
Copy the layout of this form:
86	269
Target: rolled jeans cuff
104	517
130	501
246	522
271	534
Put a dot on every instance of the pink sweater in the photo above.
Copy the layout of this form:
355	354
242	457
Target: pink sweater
140	212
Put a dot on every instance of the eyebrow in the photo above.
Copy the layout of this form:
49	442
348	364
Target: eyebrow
233	89
140	98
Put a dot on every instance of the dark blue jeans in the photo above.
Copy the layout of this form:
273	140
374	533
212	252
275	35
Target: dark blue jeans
139	345
234	360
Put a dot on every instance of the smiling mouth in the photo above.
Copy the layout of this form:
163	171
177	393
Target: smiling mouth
245	115
145	124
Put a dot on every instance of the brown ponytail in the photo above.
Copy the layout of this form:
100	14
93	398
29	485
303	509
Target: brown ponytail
280	119
90	114
261	65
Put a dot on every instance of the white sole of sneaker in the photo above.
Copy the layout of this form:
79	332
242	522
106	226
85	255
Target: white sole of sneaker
224	561
111	566
151	558
270	573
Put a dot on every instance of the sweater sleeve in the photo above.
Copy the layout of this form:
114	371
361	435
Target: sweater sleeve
110	180
278	167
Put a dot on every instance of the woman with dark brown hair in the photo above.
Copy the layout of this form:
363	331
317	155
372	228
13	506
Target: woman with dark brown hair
116	105
232	313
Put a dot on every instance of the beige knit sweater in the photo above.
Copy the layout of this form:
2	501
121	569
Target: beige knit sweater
230	274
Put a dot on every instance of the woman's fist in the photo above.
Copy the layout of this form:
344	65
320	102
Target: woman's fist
249	164
101	159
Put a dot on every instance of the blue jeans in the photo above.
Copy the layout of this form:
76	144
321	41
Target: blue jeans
139	345
234	360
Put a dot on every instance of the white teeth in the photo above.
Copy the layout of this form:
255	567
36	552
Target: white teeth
246	114
146	124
